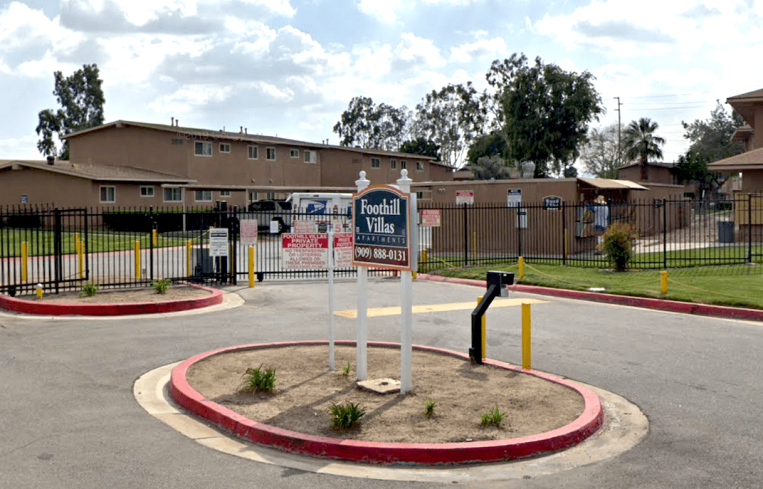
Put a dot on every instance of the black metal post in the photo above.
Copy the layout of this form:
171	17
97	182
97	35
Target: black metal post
85	250
749	228
564	233
57	249
519	230
475	352
466	236
151	244
664	233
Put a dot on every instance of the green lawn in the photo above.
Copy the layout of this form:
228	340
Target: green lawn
734	285
40	242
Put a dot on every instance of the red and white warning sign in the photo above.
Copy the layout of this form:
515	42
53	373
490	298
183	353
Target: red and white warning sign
343	250
304	251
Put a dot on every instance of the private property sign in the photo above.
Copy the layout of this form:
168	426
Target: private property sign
310	251
381	228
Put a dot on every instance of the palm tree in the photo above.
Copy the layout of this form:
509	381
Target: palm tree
641	143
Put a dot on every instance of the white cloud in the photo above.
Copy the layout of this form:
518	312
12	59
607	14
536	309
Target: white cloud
382	10
480	48
415	52
190	99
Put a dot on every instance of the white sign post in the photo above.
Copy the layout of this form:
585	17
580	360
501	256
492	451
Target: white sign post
361	349
331	299
406	306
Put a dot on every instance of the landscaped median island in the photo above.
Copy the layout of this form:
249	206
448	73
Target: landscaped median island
456	412
94	301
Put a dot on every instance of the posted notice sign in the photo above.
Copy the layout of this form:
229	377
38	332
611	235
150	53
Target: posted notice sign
304	251
381	228
248	232
464	197
431	218
218	242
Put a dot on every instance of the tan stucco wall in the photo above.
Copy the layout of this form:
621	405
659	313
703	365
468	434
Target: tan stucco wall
656	174
341	168
752	181
45	188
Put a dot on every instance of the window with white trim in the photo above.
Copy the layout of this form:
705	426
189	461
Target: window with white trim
108	194
270	154
419	166
252	196
202	148
294	153
147	191
393	164
203	196
311	156
225	193
225	147
403	164
375	163
270	196
254	152
173	195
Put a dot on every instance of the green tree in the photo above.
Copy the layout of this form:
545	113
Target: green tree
368	125
641	143
692	167
546	112
711	138
451	118
487	167
81	101
421	146
600	154
493	144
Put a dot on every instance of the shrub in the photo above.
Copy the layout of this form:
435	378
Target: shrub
259	380
429	408
161	286
494	417
618	241
346	415
346	369
90	289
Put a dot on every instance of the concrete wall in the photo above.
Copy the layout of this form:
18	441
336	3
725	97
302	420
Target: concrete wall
45	188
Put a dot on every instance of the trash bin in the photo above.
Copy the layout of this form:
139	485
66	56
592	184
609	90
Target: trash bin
725	231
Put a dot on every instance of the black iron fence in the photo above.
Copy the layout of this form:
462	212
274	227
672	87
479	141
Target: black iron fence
670	233
61	249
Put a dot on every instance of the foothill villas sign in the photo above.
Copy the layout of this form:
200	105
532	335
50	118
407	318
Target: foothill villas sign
381	228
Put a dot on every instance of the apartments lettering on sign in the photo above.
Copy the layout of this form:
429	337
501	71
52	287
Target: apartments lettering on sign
381	227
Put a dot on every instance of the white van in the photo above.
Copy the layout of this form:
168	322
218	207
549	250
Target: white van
321	207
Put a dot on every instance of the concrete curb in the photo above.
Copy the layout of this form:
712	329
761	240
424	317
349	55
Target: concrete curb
623	300
584	426
71	309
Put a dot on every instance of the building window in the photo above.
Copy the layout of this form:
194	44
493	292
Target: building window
203	196
375	163
202	148
224	147
252	196
310	156
270	196
294	153
173	195
224	193
271	154
108	194
393	164
254	152
419	195
147	191
403	164
419	166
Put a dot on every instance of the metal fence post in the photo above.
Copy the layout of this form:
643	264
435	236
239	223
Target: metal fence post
466	236
664	233
564	233
151	244
57	249
749	227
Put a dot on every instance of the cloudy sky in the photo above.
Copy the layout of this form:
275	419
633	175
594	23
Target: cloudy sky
290	67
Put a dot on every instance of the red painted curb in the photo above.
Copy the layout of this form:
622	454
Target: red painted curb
623	300
72	309
584	426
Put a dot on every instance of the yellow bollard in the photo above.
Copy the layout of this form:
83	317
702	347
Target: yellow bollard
251	267
526	348
24	261
137	258
155	237
80	258
423	256
484	331
188	246
521	267
664	282
474	244
39	291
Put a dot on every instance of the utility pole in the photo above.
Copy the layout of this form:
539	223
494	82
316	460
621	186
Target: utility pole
619	125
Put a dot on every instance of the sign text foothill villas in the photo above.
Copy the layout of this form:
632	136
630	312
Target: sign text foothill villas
381	227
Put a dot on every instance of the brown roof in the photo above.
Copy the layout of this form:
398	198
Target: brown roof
742	132
745	104
751	160
98	172
243	136
606	183
661	164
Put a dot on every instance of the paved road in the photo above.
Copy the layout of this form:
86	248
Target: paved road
69	418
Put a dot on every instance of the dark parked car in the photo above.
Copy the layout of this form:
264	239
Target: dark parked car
266	211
